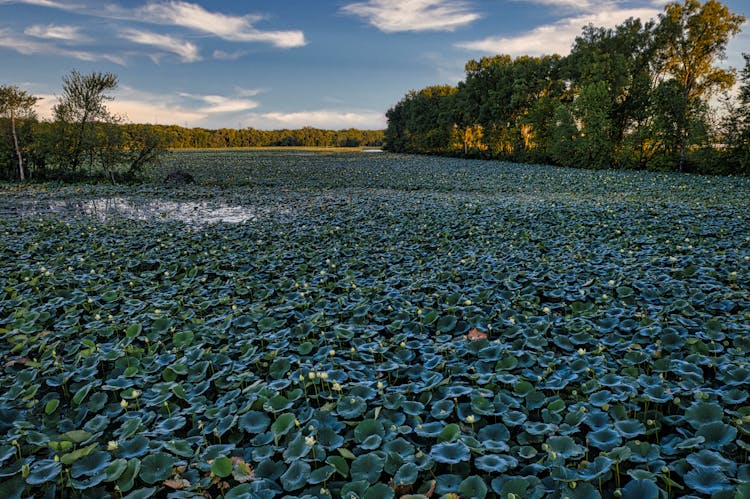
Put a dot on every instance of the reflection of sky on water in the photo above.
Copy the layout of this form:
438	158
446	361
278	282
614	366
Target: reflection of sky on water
148	209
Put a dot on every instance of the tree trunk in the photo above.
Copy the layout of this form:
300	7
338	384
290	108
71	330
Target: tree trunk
15	143
683	146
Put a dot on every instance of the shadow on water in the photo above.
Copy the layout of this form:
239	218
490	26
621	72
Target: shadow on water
106	208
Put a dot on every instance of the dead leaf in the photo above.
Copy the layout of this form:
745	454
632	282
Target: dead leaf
177	484
475	334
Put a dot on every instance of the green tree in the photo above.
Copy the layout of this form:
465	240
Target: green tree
593	109
82	105
692	38
624	58
563	148
736	125
14	104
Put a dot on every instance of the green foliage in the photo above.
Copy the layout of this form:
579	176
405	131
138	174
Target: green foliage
330	339
634	96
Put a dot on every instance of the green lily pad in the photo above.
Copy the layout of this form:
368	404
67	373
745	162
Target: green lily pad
473	486
450	452
156	467
43	471
701	413
296	476
406	474
222	467
90	465
367	467
495	463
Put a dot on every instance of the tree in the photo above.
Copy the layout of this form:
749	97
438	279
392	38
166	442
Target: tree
593	108
625	59
81	106
737	125
15	103
692	37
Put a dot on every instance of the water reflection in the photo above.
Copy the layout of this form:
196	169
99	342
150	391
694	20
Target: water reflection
148	209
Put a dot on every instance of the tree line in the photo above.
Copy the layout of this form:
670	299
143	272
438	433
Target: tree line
177	137
84	140
638	96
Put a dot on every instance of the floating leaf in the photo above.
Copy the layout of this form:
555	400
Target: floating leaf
367	467
296	476
450	453
43	471
156	467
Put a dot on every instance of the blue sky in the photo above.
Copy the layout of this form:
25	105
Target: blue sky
285	63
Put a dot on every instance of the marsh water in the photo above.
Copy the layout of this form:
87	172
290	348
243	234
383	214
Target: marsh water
139	208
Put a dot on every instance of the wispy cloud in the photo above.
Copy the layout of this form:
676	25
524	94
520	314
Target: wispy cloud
324	118
557	37
176	13
27	46
232	28
570	4
219	104
46	3
413	15
187	51
56	32
178	108
222	55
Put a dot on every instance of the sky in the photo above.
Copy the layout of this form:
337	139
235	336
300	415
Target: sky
272	64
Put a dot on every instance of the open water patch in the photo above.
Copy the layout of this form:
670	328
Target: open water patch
138	208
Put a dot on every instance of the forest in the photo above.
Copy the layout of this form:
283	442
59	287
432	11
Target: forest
642	95
85	141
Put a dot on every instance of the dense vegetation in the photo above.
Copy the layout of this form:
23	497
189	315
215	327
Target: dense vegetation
637	96
379	325
175	137
85	141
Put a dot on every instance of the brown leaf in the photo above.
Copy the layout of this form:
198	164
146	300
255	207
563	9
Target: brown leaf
177	484
20	360
432	488
475	334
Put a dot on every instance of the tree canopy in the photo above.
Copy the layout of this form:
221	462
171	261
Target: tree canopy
634	96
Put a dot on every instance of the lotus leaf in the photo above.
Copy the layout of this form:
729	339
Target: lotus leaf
349	407
143	493
564	446
707	459
296	476
367	467
581	490
450	452
629	428
520	486
156	467
322	474
716	434
703	412
90	465
706	480
495	463
42	471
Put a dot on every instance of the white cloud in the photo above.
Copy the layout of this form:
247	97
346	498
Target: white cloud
222	55
557	37
184	109
46	3
56	32
187	51
27	46
413	15
571	4
232	28
219	104
325	118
